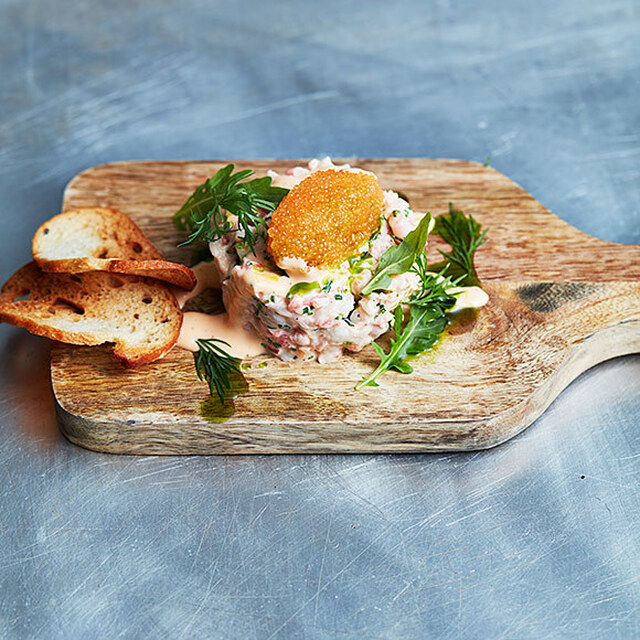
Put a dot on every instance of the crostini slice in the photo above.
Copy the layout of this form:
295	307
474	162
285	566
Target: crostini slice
103	239
140	316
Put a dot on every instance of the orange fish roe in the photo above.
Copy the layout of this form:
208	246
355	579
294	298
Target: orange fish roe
326	218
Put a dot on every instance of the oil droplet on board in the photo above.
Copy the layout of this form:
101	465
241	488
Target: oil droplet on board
213	410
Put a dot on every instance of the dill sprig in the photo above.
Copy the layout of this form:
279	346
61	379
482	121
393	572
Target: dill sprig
465	236
204	214
214	365
434	287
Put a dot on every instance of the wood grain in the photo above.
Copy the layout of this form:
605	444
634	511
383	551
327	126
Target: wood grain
560	302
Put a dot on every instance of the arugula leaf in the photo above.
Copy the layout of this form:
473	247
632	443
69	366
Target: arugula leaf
400	258
427	320
465	236
204	215
214	365
428	307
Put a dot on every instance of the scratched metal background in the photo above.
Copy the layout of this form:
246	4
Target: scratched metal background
536	539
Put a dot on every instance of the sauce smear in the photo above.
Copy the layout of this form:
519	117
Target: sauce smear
206	278
243	343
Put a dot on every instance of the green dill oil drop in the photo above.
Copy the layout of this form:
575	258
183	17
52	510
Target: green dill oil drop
213	410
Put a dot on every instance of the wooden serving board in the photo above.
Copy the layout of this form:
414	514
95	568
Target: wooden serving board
560	302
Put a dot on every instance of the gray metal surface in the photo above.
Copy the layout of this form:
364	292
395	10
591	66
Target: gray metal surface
536	539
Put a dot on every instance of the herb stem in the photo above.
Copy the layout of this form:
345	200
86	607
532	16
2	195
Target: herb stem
214	365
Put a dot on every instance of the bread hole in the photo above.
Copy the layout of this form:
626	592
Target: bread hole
164	320
77	279
25	294
137	247
115	282
45	231
147	299
136	316
61	303
103	254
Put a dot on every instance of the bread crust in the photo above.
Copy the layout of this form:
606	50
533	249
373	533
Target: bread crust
171	272
103	239
140	316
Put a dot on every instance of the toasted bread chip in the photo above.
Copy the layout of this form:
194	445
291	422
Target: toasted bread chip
99	239
327	217
139	315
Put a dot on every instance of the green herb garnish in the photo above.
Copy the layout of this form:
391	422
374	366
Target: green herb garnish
357	264
428	307
400	258
427	320
301	288
465	236
215	366
204	215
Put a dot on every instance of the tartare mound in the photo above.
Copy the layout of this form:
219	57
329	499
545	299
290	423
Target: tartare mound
326	218
300	288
